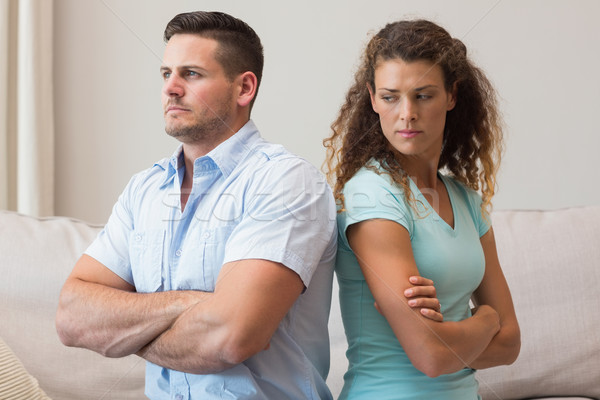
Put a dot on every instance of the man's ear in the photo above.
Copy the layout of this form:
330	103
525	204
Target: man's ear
248	84
372	95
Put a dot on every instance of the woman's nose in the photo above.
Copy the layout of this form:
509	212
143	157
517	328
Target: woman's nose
408	111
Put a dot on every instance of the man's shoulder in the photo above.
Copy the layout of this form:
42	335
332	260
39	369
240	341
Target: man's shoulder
154	175
275	159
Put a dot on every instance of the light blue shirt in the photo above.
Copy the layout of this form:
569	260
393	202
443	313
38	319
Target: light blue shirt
250	200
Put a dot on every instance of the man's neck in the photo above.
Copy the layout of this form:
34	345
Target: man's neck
199	148
193	150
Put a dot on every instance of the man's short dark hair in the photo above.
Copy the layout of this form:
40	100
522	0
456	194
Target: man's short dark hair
239	48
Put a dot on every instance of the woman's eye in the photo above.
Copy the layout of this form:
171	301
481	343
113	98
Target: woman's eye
423	96
388	99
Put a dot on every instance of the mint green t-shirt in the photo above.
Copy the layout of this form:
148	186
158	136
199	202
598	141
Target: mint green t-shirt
451	256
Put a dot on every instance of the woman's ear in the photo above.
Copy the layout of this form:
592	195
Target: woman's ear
452	97
372	95
248	84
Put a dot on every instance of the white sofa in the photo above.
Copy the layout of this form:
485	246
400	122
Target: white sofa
551	260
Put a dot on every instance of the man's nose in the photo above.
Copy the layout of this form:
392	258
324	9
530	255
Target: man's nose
173	86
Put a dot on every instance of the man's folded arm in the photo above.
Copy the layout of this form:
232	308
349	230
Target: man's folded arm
251	298
100	311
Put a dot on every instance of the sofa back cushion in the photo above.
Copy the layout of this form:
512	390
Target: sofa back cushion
36	256
551	260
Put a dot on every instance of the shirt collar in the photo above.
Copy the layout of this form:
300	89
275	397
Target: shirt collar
226	155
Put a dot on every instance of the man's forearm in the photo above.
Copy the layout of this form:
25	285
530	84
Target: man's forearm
115	322
195	343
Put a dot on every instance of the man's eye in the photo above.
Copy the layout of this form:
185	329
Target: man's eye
166	75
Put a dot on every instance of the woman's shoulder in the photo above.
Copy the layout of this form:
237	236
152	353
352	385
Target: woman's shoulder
371	175
371	194
461	188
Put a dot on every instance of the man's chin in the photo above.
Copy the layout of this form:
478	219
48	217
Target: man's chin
185	134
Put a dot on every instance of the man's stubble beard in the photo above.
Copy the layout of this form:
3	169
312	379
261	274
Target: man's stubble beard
198	131
210	125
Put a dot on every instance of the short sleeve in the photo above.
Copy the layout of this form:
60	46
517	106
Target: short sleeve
289	218
111	247
481	217
369	195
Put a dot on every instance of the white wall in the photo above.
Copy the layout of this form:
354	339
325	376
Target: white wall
543	56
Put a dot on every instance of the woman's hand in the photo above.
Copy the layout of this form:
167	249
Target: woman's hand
423	295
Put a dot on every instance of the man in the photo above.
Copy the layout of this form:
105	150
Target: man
216	264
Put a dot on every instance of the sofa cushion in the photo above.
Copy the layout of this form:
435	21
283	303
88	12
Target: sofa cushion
551	260
15	382
36	256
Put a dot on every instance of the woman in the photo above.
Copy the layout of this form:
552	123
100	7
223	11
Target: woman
418	137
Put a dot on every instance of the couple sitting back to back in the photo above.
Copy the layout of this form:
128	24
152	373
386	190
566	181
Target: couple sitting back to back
216	264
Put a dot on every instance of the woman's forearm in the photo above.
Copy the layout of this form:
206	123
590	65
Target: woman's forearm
451	346
502	350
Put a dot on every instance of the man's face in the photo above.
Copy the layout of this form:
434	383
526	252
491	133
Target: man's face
197	97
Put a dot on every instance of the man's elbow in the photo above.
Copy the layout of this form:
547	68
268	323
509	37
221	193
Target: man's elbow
73	334
215	360
237	353
65	328
240	347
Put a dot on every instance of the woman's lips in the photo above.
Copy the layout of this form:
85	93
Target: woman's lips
408	133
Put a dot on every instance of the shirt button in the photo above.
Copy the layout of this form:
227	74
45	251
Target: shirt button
205	235
178	254
138	238
179	397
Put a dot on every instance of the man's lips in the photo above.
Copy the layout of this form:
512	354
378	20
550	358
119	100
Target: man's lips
176	109
408	133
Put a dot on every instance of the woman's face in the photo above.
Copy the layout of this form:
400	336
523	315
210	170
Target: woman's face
412	102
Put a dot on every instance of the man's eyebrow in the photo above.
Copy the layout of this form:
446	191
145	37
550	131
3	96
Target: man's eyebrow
182	67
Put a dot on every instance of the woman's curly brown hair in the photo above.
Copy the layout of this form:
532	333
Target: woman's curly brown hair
472	135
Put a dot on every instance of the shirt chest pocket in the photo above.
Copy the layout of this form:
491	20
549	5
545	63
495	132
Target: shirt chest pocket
146	251
202	258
